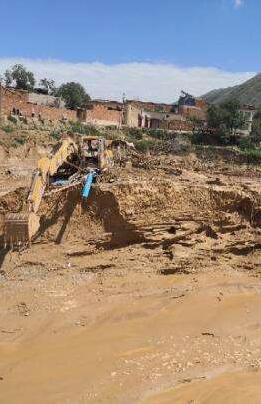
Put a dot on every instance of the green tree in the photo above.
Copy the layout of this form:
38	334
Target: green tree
74	95
225	118
48	85
215	117
20	78
223	121
232	116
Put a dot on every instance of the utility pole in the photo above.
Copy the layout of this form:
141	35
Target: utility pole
123	117
1	100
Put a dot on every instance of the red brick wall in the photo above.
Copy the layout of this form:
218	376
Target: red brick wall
190	112
18	100
102	114
177	125
13	99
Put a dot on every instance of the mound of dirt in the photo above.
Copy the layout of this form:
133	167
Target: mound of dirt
66	217
122	210
127	212
166	200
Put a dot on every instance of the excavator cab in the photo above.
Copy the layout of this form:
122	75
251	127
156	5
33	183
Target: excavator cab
96	152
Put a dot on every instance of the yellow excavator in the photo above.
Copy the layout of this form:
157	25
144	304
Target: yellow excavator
74	158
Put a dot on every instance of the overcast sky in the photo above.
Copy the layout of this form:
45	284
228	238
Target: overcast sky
147	49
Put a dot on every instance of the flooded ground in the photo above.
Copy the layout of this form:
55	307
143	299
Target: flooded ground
148	293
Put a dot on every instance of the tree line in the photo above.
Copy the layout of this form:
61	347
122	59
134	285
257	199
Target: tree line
224	121
73	93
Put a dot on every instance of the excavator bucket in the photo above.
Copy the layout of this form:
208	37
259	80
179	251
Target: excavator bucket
19	228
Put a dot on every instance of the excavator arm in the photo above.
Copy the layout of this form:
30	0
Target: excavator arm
47	167
21	227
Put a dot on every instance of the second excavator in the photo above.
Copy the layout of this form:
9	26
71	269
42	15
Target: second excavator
75	159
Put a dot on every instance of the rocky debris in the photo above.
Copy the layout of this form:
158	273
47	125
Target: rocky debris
23	309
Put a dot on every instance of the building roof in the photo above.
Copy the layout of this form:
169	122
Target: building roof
248	107
151	106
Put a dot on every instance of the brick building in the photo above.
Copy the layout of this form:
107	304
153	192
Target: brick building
176	117
137	114
191	107
248	112
154	116
103	113
19	103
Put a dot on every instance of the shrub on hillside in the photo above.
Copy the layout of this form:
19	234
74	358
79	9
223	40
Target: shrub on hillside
78	127
133	134
215	138
7	128
145	145
160	134
18	141
253	154
55	134
248	148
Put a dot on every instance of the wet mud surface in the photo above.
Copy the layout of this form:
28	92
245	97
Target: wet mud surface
149	292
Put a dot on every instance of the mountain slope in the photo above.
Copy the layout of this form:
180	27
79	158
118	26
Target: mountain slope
247	93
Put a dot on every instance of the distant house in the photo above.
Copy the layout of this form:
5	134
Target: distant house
248	112
24	104
102	112
191	107
176	117
37	105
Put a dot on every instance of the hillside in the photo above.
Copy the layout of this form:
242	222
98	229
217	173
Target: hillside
247	93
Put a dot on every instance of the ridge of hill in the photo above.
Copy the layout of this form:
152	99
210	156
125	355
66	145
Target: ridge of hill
248	92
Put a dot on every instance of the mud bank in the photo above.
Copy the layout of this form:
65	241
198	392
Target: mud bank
125	211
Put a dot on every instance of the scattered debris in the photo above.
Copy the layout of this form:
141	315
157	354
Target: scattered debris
208	334
23	309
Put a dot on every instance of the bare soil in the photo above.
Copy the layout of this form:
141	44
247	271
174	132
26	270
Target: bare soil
149	292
